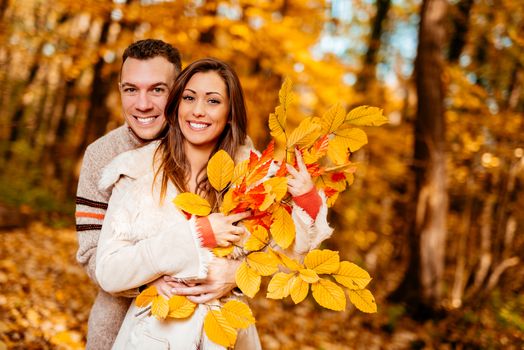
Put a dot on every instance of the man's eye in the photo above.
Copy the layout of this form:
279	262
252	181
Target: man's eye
129	90
158	90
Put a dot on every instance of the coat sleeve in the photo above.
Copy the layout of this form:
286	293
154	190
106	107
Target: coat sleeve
310	233
126	261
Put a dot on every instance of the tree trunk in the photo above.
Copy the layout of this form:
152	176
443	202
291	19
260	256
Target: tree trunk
369	65
421	287
16	120
98	114
461	15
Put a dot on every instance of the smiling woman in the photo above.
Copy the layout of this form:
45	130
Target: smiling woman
203	111
206	110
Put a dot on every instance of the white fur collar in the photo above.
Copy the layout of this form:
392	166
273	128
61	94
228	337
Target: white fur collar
138	162
134	164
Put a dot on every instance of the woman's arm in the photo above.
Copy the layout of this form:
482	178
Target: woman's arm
126	261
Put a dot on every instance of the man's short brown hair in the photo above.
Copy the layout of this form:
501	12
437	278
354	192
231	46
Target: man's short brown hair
151	48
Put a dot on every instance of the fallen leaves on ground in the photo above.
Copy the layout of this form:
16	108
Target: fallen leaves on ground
45	298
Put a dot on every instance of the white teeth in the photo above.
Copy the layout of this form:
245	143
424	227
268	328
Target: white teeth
145	120
198	125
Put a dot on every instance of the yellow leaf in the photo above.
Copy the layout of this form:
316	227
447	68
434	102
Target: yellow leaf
308	275
279	286
285	95
366	116
268	200
329	295
192	204
277	186
219	330
338	151
363	300
238	314
352	276
331	200
258	239
146	297
220	170
263	263
277	124
248	280
160	307
223	251
332	119
227	202
299	289
346	139
305	133
282	228
239	172
180	307
322	261
291	264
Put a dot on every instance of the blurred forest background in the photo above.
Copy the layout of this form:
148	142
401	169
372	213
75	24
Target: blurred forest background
436	212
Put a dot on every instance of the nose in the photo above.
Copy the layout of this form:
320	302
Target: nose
199	108
143	102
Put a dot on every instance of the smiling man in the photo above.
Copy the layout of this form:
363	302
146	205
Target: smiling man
147	74
148	71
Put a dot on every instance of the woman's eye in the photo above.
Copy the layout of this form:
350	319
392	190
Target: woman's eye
213	101
188	98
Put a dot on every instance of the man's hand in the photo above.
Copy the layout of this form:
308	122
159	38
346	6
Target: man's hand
164	285
220	280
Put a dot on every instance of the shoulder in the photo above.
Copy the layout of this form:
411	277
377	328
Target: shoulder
245	150
109	143
132	164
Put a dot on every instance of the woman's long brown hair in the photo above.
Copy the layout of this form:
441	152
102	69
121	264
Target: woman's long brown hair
174	165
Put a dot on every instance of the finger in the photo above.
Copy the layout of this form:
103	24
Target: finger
300	160
201	299
292	170
187	291
234	238
238	216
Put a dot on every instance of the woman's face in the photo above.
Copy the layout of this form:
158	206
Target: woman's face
203	110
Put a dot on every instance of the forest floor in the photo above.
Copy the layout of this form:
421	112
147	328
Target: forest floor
45	298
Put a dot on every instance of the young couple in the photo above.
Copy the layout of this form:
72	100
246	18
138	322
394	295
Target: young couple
175	121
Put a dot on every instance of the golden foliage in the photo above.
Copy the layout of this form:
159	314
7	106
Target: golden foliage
218	329
220	170
248	280
329	295
193	204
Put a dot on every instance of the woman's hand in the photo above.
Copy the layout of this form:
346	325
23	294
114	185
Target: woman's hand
224	229
298	182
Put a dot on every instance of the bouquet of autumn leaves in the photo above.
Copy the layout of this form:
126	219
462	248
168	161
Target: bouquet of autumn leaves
325	144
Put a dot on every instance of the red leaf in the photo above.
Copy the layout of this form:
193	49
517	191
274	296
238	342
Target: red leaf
282	171
329	191
267	154
338	176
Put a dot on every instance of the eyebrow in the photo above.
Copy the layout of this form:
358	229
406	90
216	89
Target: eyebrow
207	93
153	85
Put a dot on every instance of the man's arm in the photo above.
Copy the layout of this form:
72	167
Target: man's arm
91	206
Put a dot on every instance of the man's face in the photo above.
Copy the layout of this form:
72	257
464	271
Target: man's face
144	89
